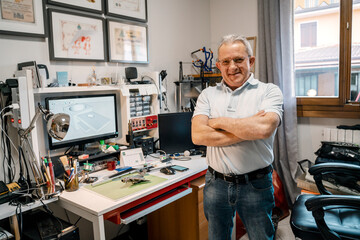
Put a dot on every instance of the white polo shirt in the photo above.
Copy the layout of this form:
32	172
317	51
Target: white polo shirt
245	101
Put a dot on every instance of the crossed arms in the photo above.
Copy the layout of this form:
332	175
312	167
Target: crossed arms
224	131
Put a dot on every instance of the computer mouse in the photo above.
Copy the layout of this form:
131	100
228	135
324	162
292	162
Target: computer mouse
167	171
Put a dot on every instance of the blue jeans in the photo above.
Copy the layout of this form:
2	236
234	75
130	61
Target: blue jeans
253	201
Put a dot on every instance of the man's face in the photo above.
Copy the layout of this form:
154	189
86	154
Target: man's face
234	64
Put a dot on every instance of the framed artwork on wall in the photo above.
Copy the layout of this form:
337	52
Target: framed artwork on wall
128	42
128	9
252	41
85	5
23	18
76	36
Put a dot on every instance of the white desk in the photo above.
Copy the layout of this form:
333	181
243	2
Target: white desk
96	208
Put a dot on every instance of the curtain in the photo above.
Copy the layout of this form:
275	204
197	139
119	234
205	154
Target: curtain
275	57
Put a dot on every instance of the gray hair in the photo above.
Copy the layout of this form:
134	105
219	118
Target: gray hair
232	38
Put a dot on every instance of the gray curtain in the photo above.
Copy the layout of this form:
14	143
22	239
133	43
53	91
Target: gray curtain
275	57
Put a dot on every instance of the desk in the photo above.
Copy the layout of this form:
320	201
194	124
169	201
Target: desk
97	208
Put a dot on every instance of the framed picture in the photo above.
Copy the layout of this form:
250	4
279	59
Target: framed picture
252	41
23	18
128	9
76	36
85	5
128	42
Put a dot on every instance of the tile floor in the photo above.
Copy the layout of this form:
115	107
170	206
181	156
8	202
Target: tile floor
283	232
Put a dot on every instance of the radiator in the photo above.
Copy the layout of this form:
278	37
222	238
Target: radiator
341	135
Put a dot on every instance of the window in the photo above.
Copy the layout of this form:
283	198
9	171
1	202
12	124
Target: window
308	34
327	57
311	3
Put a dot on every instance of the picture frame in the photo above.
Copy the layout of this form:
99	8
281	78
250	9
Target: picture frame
96	6
135	10
127	41
23	18
76	36
252	41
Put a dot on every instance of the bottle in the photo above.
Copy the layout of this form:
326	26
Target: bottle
93	77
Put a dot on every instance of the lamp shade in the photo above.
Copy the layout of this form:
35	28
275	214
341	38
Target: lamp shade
58	125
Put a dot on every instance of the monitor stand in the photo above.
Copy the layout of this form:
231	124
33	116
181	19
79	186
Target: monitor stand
81	149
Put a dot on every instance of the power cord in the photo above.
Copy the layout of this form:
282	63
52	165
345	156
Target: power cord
47	209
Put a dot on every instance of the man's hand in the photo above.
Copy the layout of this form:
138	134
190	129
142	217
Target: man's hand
216	123
259	126
203	134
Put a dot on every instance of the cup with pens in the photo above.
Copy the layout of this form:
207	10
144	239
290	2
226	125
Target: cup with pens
71	178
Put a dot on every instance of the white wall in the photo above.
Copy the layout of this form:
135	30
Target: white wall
176	28
233	16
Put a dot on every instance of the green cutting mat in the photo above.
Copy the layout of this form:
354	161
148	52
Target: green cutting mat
116	189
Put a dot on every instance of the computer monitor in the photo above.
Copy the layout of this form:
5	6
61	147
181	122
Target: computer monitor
175	132
92	118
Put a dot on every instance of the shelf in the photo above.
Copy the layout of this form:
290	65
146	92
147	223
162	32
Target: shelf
208	75
75	89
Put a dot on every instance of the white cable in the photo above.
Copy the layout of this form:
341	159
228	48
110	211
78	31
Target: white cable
151	79
10	106
5	132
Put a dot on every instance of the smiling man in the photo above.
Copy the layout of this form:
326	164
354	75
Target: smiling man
237	121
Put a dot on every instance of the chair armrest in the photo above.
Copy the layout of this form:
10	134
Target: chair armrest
316	204
334	167
321	201
347	175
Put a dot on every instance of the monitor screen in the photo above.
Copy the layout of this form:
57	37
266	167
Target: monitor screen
175	132
92	118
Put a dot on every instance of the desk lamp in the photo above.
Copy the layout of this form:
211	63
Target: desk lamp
57	126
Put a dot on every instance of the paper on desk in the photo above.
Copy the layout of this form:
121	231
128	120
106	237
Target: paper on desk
117	189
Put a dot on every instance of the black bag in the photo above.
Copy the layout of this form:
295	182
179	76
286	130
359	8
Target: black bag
343	152
339	152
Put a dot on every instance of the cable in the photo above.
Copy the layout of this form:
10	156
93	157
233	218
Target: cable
9	139
47	209
77	221
10	106
5	144
153	81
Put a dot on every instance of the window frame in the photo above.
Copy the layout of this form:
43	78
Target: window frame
341	106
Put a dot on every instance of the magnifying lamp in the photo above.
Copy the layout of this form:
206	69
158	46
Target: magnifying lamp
57	126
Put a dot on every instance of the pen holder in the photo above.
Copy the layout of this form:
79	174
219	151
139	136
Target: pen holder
71	184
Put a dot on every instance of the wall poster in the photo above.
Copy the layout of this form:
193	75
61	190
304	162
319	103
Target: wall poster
129	9
127	42
24	18
76	37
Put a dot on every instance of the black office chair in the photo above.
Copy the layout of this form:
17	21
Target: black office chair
326	216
